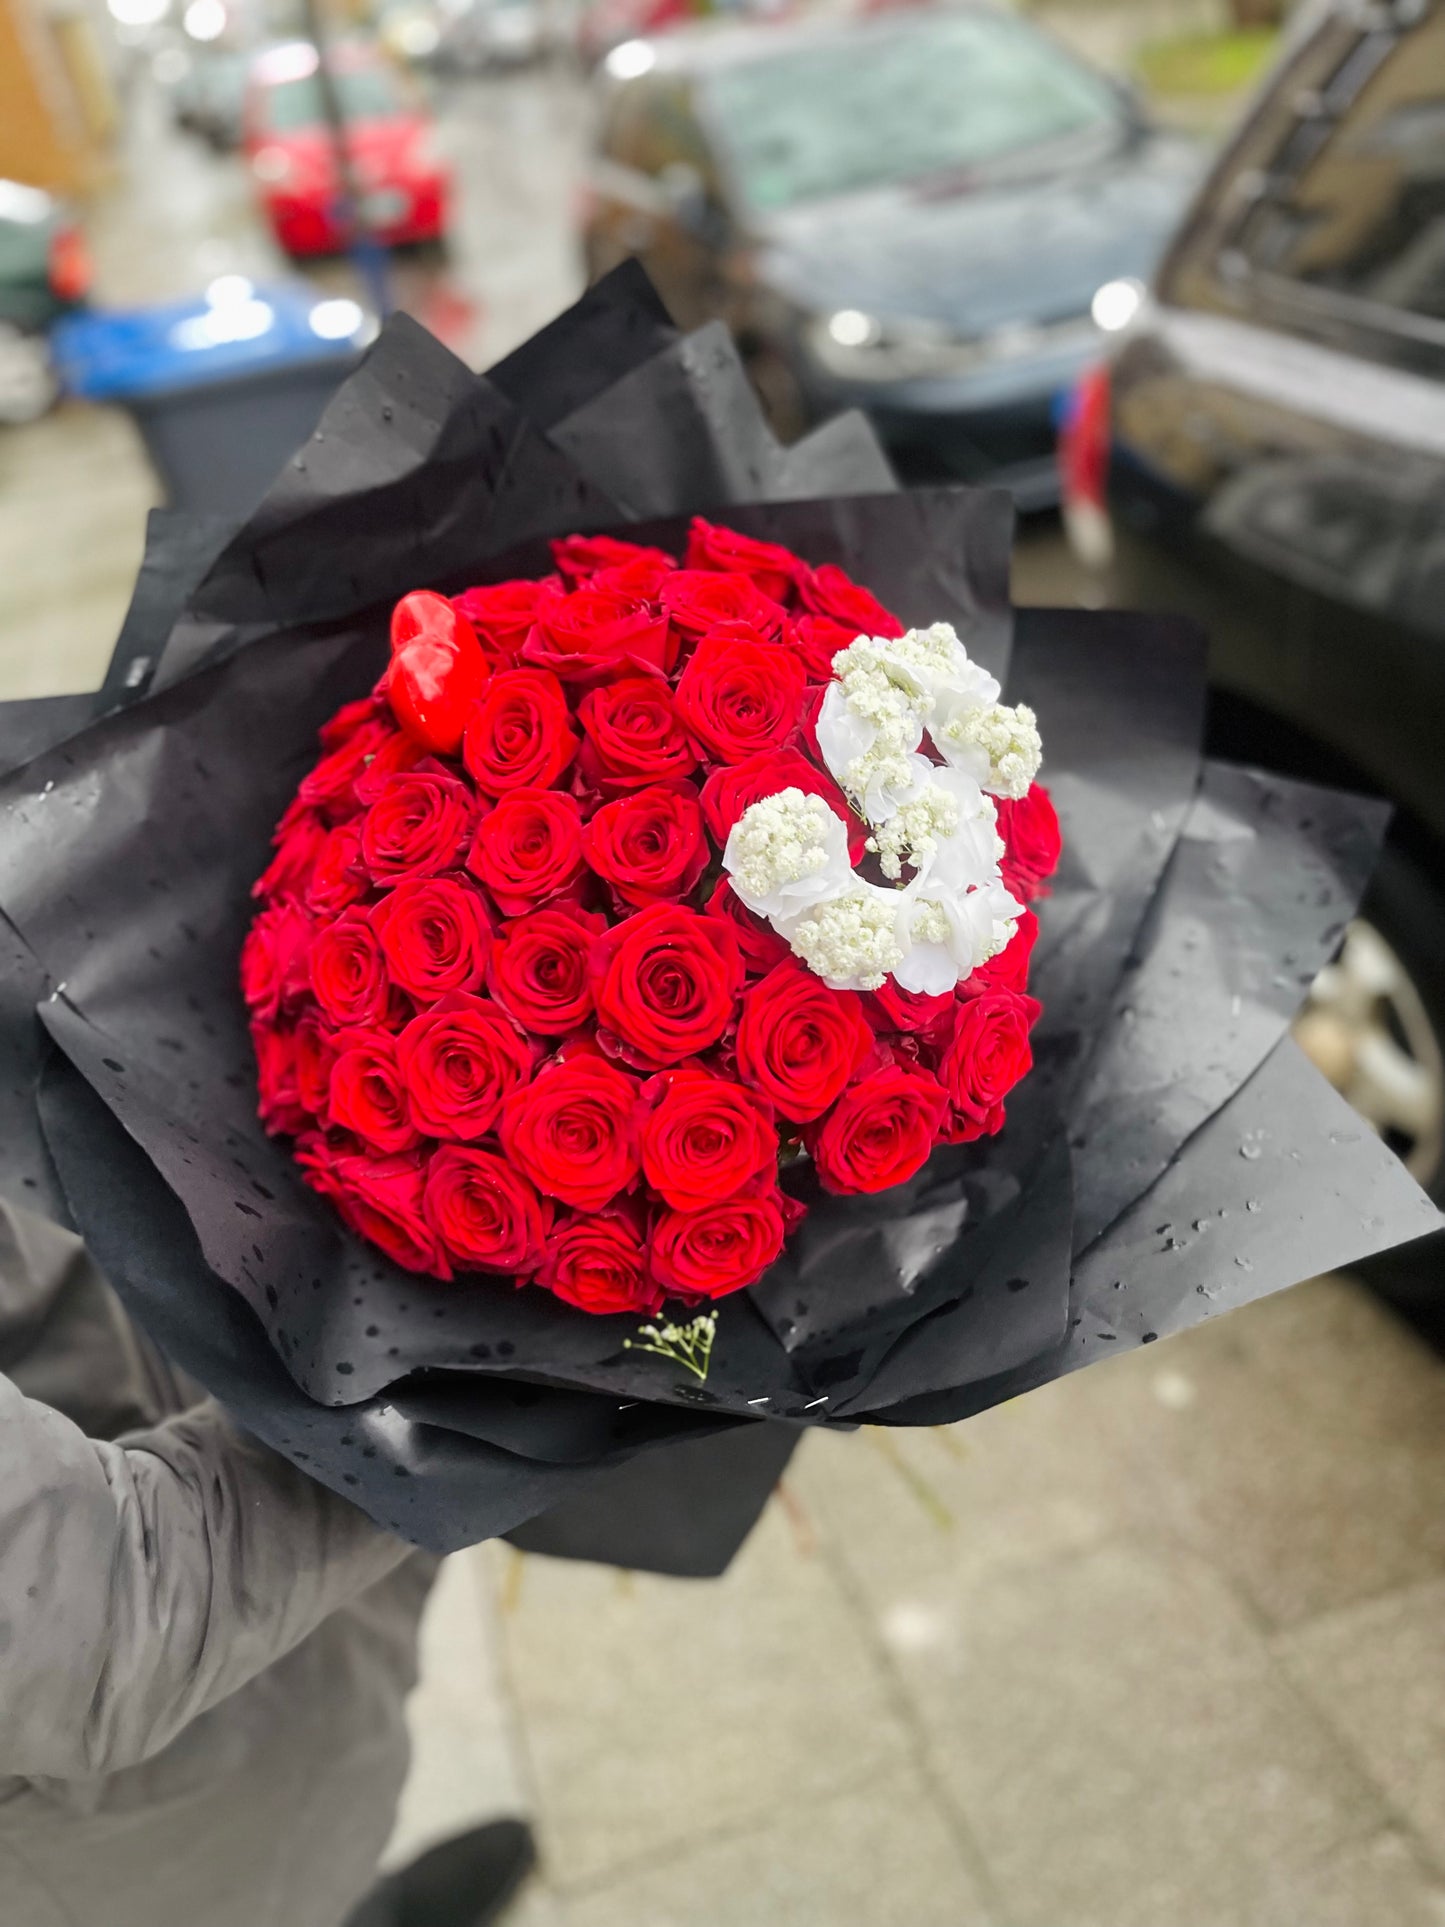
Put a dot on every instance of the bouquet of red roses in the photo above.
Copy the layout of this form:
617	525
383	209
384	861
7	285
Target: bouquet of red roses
570	937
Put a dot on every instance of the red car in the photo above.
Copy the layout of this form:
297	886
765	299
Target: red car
401	181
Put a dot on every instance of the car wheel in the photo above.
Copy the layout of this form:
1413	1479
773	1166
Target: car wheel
28	388
1374	1024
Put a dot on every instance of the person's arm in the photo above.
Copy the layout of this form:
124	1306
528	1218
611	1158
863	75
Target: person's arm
141	1583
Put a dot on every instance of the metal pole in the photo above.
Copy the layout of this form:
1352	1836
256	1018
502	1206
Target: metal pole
368	254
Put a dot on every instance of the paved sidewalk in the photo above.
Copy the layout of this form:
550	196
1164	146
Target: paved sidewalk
1162	1645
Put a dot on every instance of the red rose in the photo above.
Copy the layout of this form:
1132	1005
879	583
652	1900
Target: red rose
520	735
297	847
573	1130
279	1102
381	1200
348	719
760	944
731	790
315	1053
485	1214
593	633
816	640
339	878
501	615
722	1248
417	826
699	600
703	1139
600	1265
461	1060
1033	842
649	846
986	1056
528	848
633	736
798	1042
538	970
913	1011
580	556
768	565
830	591
740	694
434	935
1009	970
665	982
880	1131
348	971
273	958
330	786
397	754
368	1092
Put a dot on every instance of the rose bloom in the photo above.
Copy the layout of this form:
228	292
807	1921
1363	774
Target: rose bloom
580	556
501	615
815	640
397	755
331	786
486	1215
417	826
703	1138
760	944
315	1052
830	591
380	1199
1029	826
914	1012
1009	970
649	846
800	1043
719	1249
665	982
880	1131
573	1130
768	565
740	694
599	1264
538	970
349	719
520	735
987	1055
731	790
339	878
461	1060
593	633
274	958
528	848
297	847
279	1103
434	935
348	971
632	735
368	1092
699	600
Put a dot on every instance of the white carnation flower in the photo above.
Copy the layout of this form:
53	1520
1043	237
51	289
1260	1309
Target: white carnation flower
871	757
787	852
998	745
852	941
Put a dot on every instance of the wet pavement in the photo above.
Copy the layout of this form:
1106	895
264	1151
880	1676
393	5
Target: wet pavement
1158	1646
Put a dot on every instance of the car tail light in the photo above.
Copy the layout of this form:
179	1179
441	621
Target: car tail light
1084	466
68	268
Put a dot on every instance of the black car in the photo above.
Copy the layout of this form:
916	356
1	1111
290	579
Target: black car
1276	430
929	213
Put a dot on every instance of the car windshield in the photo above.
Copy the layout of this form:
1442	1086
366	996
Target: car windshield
365	94
942	93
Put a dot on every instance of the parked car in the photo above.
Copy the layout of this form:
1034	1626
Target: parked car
925	212
402	181
44	274
1273	432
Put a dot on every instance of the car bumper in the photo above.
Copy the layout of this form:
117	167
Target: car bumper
393	215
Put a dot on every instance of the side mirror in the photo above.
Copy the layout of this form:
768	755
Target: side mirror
686	195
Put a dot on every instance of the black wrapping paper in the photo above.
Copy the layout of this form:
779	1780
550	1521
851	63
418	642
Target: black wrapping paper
1193	903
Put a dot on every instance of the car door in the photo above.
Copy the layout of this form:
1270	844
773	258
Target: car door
655	194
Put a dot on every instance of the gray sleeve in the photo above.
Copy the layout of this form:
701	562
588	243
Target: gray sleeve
143	1582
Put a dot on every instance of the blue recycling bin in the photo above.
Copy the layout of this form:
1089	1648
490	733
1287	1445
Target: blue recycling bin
223	388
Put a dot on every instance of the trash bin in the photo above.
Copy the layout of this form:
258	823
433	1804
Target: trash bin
224	388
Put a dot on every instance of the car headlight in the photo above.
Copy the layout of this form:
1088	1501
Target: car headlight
855	346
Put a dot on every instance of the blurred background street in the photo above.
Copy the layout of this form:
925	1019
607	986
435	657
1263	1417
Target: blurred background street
1159	1646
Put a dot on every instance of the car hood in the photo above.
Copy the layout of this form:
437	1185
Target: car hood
984	256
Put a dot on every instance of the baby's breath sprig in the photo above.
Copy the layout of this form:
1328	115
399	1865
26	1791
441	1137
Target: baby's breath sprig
688	1345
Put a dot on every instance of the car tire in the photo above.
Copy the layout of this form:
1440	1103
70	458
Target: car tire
1375	1024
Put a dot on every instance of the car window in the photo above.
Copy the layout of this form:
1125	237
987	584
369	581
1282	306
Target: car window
366	93
652	127
1345	227
901	100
